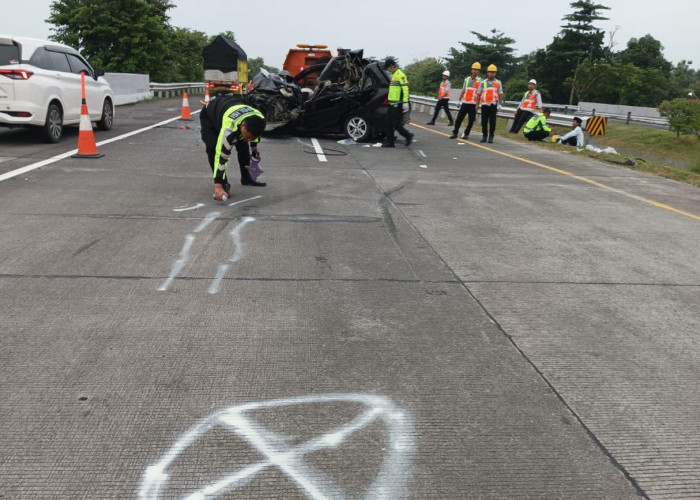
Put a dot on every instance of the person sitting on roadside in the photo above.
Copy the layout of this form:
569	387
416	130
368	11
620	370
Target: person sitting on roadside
575	137
536	127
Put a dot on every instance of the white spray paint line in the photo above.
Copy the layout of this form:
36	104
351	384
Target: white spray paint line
243	201
235	234
193	207
391	481
179	264
319	149
420	152
211	217
54	159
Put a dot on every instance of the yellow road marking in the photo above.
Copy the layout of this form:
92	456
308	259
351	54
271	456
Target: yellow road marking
568	174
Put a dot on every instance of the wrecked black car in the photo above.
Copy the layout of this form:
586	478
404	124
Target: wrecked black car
350	98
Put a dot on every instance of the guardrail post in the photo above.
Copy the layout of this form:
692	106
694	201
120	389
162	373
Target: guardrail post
629	117
593	112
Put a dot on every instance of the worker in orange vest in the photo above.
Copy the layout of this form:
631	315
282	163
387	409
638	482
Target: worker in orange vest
467	101
490	98
443	99
531	101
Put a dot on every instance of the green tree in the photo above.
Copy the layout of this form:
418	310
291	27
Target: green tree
686	78
683	115
254	65
186	63
578	40
226	34
645	53
425	76
644	87
595	81
129	36
490	49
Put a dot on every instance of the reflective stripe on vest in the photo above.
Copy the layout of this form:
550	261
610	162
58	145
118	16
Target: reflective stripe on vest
444	92
471	88
489	94
529	101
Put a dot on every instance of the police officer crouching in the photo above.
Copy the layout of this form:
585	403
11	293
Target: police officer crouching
226	123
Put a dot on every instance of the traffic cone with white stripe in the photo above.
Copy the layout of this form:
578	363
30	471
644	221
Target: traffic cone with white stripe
86	137
206	97
185	115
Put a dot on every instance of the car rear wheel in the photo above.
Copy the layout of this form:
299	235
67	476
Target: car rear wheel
53	128
357	128
107	119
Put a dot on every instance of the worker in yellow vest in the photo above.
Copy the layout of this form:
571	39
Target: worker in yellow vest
443	99
536	127
531	101
467	101
398	99
490	98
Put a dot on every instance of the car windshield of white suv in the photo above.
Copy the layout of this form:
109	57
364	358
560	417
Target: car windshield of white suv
9	54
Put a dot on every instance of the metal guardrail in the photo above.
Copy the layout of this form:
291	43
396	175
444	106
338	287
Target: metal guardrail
555	118
175	89
504	112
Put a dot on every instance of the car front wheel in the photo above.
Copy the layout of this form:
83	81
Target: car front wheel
53	128
357	128
107	119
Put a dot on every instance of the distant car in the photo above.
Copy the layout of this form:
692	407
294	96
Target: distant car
350	99
40	86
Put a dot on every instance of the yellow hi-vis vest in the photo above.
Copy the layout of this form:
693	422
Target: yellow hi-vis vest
398	88
537	122
233	117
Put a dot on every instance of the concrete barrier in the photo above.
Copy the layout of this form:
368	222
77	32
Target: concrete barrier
129	88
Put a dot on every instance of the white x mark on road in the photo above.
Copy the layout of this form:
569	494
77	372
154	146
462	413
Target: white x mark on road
391	482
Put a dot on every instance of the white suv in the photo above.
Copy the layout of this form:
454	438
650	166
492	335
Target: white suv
40	86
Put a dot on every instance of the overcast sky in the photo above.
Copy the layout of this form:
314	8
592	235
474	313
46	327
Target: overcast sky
269	28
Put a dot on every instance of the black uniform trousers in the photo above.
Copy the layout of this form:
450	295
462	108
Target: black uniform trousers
488	119
522	116
465	110
536	135
395	124
442	104
210	136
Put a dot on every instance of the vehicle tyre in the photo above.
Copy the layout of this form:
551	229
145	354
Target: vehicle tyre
107	119
53	128
357	128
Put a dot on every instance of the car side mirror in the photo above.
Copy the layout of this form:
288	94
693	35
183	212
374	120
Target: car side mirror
98	73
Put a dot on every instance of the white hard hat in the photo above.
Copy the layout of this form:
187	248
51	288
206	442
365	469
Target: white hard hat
533	81
446	73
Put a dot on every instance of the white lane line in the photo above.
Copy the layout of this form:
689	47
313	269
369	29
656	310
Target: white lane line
193	207
319	149
54	159
243	201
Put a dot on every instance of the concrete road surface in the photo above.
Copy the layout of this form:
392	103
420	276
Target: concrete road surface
441	321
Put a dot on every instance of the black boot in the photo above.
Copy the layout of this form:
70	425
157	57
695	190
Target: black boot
409	139
251	182
431	122
454	135
490	139
483	139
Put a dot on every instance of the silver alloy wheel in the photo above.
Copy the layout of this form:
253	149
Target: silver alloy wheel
55	123
107	115
357	128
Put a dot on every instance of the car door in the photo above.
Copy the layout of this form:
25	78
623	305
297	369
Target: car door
68	85
93	91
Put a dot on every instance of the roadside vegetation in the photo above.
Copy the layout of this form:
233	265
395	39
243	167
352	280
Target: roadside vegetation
654	151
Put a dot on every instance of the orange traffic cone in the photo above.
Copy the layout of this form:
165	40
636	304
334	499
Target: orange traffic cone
86	137
206	97
185	115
